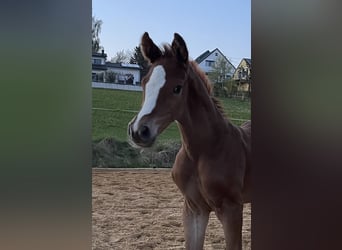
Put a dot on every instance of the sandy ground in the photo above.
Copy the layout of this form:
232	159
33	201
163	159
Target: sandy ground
142	209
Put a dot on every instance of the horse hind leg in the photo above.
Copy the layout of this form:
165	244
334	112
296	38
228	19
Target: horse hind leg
230	215
195	222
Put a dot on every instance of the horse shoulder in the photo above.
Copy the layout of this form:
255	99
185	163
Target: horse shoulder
223	172
183	170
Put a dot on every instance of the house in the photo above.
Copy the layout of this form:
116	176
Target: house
242	75
207	60
98	66
124	73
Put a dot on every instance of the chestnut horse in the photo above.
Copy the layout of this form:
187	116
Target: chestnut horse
212	168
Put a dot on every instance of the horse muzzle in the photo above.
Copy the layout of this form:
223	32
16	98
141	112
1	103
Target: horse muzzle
142	137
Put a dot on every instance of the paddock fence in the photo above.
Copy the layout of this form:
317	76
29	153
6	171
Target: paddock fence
103	85
136	112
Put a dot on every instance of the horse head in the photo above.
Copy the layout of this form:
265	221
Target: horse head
164	90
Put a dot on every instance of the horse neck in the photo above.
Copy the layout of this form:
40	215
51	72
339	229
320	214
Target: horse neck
202	122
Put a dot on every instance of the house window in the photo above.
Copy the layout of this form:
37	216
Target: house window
97	77
216	54
97	61
209	63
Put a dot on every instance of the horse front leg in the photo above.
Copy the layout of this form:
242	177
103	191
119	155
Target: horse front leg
195	222
230	215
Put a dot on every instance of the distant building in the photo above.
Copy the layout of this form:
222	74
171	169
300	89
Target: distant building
98	66
124	73
242	75
207	60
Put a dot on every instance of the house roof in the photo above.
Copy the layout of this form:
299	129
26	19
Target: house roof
123	65
206	54
236	73
130	65
102	54
99	66
202	56
248	60
113	65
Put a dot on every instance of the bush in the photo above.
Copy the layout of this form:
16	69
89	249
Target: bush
218	90
112	153
110	76
100	77
231	88
162	155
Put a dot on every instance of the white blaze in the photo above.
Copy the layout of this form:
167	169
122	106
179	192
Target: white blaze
155	83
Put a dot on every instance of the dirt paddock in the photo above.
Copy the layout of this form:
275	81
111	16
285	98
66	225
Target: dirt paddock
142	209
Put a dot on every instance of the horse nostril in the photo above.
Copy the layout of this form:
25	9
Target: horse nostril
144	133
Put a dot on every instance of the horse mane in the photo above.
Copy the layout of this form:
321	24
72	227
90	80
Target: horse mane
168	52
209	86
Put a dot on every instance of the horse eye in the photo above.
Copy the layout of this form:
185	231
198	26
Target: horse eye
177	89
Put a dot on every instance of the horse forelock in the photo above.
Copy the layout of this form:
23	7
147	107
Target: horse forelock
167	51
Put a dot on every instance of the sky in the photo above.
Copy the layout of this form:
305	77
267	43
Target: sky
203	24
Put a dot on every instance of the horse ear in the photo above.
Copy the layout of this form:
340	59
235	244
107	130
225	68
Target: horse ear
149	50
180	49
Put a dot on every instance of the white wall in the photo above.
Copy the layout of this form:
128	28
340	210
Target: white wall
102	85
134	72
97	71
212	57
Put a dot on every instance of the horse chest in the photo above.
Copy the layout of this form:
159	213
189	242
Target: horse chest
195	190
206	188
185	180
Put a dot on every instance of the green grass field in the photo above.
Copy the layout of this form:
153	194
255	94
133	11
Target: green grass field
124	104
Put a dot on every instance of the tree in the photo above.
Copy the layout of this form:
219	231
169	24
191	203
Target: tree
231	87
219	76
138	58
121	56
95	32
220	71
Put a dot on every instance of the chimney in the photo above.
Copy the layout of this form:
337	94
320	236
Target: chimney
103	52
